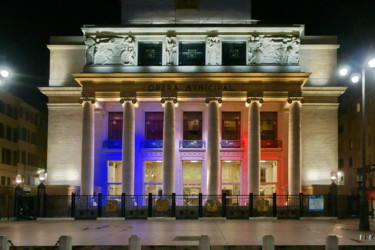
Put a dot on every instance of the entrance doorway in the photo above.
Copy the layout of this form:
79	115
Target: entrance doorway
114	177
268	177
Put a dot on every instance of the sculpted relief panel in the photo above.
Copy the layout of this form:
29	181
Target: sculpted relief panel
262	50
101	51
273	50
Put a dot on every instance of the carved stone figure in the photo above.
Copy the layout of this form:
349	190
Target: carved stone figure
286	50
128	54
213	51
171	49
104	50
256	49
91	49
292	51
279	46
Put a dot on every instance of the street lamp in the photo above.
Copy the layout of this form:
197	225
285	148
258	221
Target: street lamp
18	189
364	222
4	73
42	187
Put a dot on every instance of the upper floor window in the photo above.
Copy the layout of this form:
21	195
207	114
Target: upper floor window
9	110
2	107
115	120
268	125
154	125
192	126
234	53
9	133
150	53
231	126
1	130
192	53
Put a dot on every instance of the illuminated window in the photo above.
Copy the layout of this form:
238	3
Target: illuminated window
154	125
115	126
234	53
230	177
192	53
192	177
192	126
231	125
149	53
153	176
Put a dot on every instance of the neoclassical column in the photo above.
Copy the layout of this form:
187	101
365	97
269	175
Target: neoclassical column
294	153
254	147
213	147
169	145
88	149
128	144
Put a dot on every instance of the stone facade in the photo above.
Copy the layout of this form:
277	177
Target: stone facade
278	64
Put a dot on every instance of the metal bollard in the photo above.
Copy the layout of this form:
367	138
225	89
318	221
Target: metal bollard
134	242
65	242
332	242
268	242
4	244
204	243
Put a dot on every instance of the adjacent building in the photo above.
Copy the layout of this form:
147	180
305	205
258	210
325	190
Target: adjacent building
23	140
184	100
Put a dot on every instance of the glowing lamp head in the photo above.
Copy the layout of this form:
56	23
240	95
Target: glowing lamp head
18	179
371	63
4	73
333	176
42	176
344	71
355	77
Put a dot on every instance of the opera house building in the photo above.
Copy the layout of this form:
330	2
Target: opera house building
190	106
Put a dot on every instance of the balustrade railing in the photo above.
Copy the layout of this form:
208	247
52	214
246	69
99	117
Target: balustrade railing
271	143
231	144
192	144
112	144
153	144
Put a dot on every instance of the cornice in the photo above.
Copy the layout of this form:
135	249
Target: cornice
61	91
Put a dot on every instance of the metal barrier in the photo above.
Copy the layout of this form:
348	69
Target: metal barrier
237	206
288	206
182	206
187	206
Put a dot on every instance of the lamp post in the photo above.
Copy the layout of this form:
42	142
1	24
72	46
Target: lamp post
41	186
333	194
364	222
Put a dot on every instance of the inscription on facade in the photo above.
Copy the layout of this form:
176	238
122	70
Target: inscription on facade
191	87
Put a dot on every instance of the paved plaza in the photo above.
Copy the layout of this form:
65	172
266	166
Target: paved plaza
169	232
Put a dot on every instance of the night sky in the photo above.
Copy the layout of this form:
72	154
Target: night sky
25	28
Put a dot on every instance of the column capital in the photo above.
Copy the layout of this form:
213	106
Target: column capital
171	99
212	99
295	99
133	100
254	99
87	99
